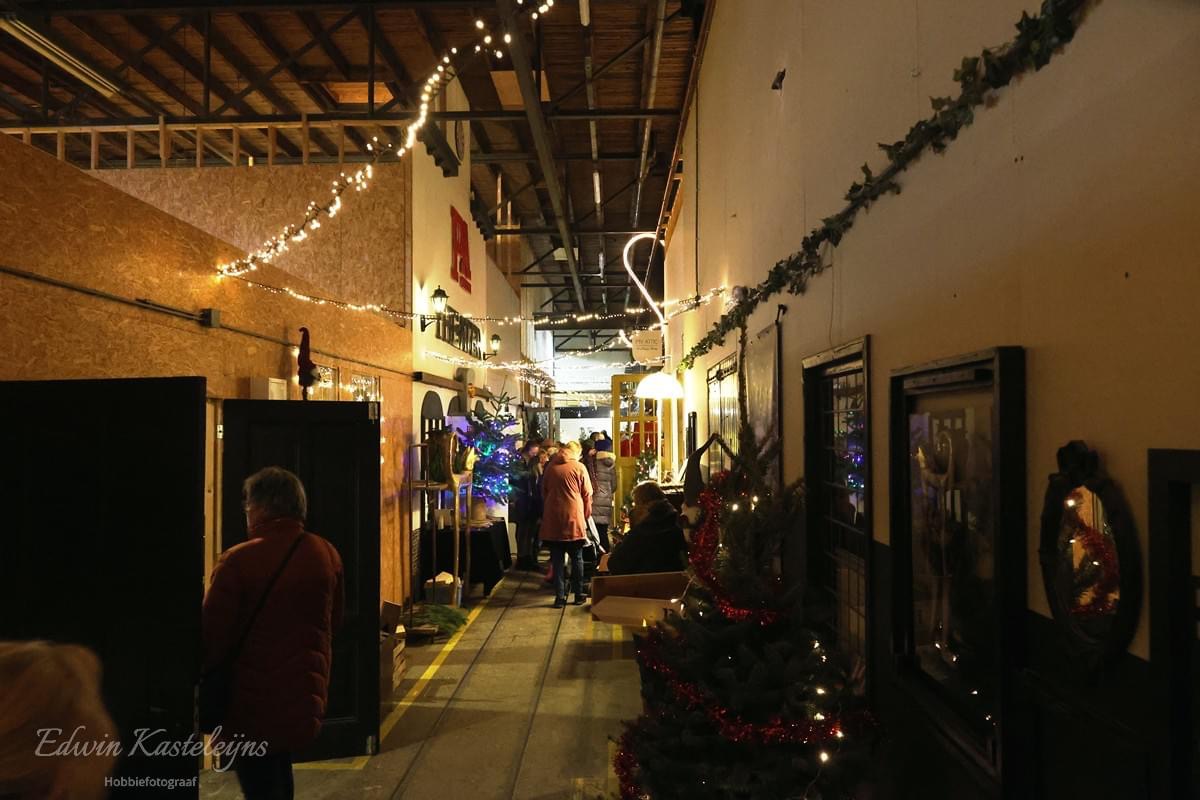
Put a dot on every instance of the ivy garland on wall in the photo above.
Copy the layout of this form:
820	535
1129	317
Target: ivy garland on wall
1038	38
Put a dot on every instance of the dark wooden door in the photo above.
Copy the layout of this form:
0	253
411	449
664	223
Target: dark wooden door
334	448
102	486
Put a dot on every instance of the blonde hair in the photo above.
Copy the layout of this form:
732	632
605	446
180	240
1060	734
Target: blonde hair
574	446
57	687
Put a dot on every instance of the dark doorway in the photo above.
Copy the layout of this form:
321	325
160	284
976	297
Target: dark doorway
103	494
334	448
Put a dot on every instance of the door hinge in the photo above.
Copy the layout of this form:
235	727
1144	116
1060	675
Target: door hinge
371	749
220	431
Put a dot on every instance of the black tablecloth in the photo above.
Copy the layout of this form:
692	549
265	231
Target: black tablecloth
490	554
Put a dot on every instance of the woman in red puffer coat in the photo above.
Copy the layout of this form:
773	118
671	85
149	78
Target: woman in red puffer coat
281	675
566	505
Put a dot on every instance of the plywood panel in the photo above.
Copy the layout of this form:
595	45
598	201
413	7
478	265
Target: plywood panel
61	223
357	256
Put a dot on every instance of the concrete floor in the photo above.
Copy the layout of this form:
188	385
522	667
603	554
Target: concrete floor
522	705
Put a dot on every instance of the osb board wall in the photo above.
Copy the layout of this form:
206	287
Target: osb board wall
61	223
362	255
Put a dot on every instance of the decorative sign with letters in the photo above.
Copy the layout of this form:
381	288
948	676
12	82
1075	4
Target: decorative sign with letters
460	250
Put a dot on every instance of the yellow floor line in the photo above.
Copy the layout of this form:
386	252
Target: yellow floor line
409	698
430	672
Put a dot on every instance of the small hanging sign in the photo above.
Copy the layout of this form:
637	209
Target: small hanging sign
647	345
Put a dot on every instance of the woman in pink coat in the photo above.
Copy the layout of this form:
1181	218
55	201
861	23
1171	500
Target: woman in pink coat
566	505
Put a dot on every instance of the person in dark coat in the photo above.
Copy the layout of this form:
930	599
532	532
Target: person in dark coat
654	543
566	505
603	472
281	675
527	504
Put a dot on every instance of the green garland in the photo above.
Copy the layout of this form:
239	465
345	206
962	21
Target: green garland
1038	38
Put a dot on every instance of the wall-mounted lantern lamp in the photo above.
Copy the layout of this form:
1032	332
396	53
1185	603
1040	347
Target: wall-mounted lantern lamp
495	343
438	302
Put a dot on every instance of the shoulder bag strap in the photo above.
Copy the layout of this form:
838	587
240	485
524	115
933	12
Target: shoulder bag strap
262	601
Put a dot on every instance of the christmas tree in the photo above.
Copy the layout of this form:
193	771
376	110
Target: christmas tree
495	447
741	698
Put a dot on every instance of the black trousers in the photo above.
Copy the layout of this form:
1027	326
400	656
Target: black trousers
527	544
573	550
266	777
602	529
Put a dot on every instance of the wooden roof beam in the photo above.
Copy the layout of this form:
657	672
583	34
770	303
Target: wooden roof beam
319	96
101	37
310	21
260	82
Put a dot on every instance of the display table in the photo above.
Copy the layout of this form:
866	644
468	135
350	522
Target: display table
497	528
490	555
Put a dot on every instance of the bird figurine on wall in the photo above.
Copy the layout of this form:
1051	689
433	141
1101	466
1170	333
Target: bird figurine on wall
306	370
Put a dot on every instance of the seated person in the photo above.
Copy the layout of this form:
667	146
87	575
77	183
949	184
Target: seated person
654	542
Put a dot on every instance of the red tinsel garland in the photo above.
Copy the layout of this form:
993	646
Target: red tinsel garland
776	730
625	766
703	556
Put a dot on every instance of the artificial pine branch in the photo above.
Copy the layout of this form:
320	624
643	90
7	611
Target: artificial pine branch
979	77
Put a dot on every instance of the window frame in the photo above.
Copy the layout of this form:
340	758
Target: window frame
815	368
717	374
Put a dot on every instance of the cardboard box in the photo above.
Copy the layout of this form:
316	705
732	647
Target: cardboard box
661	585
444	590
392	643
637	600
632	612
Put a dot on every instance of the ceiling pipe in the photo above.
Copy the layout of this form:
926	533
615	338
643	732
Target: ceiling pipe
656	56
651	90
541	139
597	186
709	11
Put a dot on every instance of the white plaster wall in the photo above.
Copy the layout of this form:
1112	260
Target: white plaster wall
1064	220
432	197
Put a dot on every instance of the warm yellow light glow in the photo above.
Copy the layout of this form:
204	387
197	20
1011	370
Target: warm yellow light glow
660	386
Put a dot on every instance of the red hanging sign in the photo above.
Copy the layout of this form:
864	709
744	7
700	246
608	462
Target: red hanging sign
460	251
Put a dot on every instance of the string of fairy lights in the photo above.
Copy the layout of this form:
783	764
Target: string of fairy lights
531	372
670	308
534	372
444	71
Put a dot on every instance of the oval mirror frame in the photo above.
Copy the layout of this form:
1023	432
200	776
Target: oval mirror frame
1079	467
